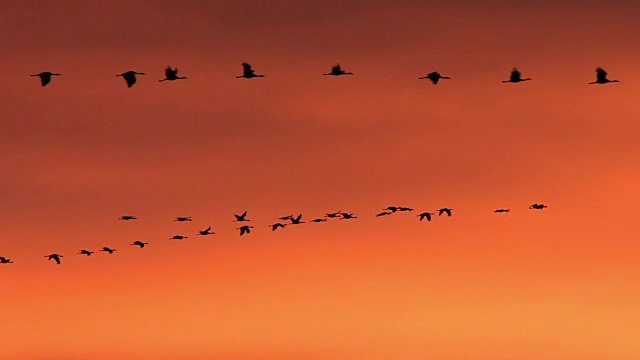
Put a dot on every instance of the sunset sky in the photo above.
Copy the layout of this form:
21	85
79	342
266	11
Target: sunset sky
561	283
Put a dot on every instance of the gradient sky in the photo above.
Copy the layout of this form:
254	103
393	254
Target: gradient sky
554	284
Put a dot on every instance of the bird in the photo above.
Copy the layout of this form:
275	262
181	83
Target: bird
248	72
601	77
178	237
333	215
392	208
516	77
384	213
4	260
275	226
296	220
109	250
242	217
319	220
245	229
55	257
336	70
206	231
127	217
130	77
347	216
434	77
501	211
171	74
85	252
139	243
183	218
285	218
444	210
404	209
425	215
45	77
538	206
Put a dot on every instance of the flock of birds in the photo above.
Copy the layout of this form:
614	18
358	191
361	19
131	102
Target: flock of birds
171	74
282	223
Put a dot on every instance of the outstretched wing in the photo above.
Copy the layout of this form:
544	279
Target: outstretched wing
515	75
601	75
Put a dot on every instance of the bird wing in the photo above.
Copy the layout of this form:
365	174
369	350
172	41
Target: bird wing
515	74
57	259
169	72
130	78
601	74
45	79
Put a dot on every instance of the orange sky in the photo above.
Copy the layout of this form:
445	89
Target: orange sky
554	284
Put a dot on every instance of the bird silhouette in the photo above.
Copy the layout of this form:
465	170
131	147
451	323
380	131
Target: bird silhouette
178	237
275	226
516	77
404	209
85	252
425	215
206	231
55	257
443	211
601	77
183	218
245	229
336	70
130	77
4	260
434	77
242	217
127	217
319	220
109	250
333	215
347	216
171	74
296	220
248	72
538	206
384	213
285	218
501	211
139	243
45	77
392	208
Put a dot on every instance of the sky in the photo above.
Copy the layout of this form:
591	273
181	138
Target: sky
554	284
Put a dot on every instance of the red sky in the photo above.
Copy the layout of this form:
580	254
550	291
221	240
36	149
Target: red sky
552	284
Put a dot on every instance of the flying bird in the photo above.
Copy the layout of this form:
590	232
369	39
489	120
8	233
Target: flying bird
285	218
245	229
109	250
127	217
537	206
178	237
206	231
336	70
404	209
333	215
319	220
516	77
425	215
434	77
130	77
296	220
183	218
248	72
392	208
275	226
384	213
347	216
242	217
171	74
601	77
45	77
443	211
139	243
85	252
55	257
501	211
4	260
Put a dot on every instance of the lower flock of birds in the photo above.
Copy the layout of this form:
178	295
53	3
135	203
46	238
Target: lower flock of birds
292	220
171	74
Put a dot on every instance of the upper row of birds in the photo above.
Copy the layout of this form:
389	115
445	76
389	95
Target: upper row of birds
171	74
293	220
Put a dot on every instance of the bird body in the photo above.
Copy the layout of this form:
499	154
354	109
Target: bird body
171	74
347	216
45	77
275	226
127	217
178	237
425	215
444	211
333	215
434	77
516	77
501	211
538	206
139	243
246	229
109	250
404	209
336	70
384	213
241	217
54	257
183	218
130	77
319	220
206	231
4	260
296	220
85	252
248	72
601	77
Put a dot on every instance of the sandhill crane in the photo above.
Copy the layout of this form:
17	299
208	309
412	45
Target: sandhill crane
319	220
178	237
347	216
206	231
130	77
245	229
183	218
336	70
109	250
384	213
443	211
85	252
171	74
296	220
434	77
601	77
139	243
55	257
4	260
242	217
275	226
127	217
404	209
248	72
425	215
285	218
501	211
537	206
391	208
45	77
333	215
516	77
